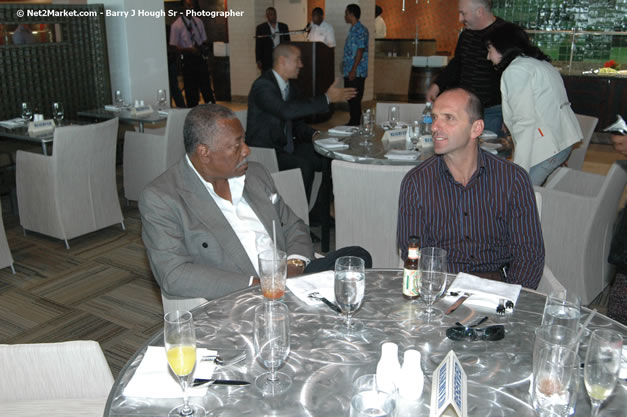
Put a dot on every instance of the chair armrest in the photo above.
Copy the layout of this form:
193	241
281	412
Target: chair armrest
575	182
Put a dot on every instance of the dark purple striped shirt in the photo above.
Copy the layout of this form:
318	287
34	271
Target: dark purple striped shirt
490	222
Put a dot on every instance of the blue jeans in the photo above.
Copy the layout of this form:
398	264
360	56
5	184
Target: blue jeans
493	119
539	173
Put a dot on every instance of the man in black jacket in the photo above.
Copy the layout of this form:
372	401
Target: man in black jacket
266	40
276	110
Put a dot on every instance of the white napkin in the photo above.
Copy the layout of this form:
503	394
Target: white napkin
12	123
488	134
398	125
402	155
343	130
332	143
153	379
109	107
322	282
485	293
622	374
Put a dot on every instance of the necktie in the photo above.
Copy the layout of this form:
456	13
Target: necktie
289	146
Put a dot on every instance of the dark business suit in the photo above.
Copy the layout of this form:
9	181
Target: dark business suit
265	46
192	249
269	118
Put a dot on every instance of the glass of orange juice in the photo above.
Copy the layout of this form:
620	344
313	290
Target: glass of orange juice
272	273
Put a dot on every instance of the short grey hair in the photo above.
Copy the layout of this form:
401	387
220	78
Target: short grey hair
283	49
201	125
474	107
486	4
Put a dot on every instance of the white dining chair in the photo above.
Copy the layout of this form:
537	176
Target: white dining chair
148	155
366	208
73	191
6	259
578	214
290	186
54	379
578	154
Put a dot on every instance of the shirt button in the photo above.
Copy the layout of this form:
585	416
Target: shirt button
465	213
204	245
472	256
467	237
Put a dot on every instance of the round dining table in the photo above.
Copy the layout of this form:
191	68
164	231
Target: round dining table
323	363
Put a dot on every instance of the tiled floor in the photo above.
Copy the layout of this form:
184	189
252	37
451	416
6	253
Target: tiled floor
102	287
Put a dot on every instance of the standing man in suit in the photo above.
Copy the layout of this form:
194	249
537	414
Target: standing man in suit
355	61
276	110
188	35
266	39
203	218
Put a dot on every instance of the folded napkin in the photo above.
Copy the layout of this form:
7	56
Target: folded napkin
322	282
12	123
398	125
488	134
110	107
402	155
163	112
343	130
491	147
485	293
622	374
153	379
332	143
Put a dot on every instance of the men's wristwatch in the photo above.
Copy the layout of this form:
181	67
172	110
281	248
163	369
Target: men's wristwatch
296	262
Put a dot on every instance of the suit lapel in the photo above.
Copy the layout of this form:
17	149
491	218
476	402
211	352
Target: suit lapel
203	207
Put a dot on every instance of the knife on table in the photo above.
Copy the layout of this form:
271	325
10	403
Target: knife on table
199	381
457	303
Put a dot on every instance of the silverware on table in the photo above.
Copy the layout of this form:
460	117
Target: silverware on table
218	360
500	309
317	296
457	303
200	381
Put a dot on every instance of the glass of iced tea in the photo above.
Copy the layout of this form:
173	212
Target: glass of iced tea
272	273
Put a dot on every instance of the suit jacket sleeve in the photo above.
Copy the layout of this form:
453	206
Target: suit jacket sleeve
170	260
259	43
450	75
268	98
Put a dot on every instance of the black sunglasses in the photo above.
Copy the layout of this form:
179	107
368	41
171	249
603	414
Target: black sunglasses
466	333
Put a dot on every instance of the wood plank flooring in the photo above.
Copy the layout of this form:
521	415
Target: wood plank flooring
102	287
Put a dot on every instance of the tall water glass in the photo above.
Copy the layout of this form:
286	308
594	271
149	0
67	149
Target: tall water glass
179	337
350	286
272	273
57	112
119	100
393	115
162	98
433	267
563	308
602	366
555	381
367	128
272	346
27	112
414	133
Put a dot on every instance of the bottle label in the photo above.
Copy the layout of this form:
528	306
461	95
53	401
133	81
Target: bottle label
411	282
412	253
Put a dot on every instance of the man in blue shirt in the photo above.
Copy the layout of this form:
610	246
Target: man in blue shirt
355	61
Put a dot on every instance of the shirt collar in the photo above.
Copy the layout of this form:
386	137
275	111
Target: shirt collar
482	167
282	83
236	184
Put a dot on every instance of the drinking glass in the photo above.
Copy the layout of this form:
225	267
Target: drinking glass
27	112
369	400
57	112
350	286
367	128
414	132
555	381
162	98
602	366
272	346
433	269
180	345
119	100
562	308
393	116
272	273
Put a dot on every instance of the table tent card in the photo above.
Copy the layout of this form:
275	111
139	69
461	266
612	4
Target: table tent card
449	389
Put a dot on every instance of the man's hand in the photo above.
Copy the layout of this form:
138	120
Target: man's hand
352	75
620	143
432	92
294	271
337	94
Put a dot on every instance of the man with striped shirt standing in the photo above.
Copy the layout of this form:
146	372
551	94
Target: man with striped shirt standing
477	206
470	67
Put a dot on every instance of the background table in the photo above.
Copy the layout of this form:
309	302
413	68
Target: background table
125	116
21	134
323	368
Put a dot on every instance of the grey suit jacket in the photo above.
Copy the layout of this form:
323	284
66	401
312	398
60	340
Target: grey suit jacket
192	249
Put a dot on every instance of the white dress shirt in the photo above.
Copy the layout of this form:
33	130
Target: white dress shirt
322	33
276	39
380	29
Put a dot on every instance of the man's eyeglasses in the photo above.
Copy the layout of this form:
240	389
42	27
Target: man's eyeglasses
466	333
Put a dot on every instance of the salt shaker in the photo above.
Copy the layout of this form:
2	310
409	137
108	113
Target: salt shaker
388	368
411	379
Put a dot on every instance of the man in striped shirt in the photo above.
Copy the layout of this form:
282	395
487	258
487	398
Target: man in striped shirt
470	67
477	206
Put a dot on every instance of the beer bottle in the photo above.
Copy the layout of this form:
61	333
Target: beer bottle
411	273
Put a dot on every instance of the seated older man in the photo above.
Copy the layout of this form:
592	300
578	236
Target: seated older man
477	206
203	217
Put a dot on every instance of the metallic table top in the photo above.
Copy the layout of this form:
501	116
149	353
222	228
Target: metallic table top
323	367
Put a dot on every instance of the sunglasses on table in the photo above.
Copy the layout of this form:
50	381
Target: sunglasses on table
490	333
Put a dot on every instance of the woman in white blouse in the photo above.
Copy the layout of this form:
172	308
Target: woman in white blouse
536	109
